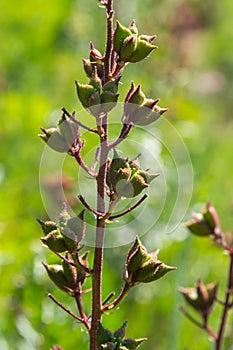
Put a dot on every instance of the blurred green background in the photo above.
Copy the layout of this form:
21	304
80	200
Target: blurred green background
41	46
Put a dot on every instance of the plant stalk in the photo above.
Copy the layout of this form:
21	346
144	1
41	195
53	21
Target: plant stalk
102	126
226	306
99	240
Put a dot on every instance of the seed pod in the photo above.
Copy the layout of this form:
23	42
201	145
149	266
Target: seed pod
133	344
73	231
137	96
146	117
127	49
68	130
47	226
147	38
57	275
120	34
148	178
201	297
82	266
70	272
204	223
95	104
112	85
138	184
88	67
104	335
85	92
95	81
210	216
120	332
95	55
116	164
135	164
137	256
54	140
108	101
142	50
143	267
64	216
55	241
133	28
152	271
123	188
133	100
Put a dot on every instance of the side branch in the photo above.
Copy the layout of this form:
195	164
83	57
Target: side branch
77	154
64	308
117	301
112	217
204	325
77	296
86	205
71	117
123	134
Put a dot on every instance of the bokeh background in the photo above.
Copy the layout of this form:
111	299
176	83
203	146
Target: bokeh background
41	46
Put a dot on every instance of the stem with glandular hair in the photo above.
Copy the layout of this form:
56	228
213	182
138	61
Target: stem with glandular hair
102	125
100	225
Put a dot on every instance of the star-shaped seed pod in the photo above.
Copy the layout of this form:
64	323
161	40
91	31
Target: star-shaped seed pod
143	267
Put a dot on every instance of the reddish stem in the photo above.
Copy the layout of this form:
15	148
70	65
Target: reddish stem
226	306
123	134
77	296
64	308
100	226
71	117
203	325
78	157
112	217
117	301
109	44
